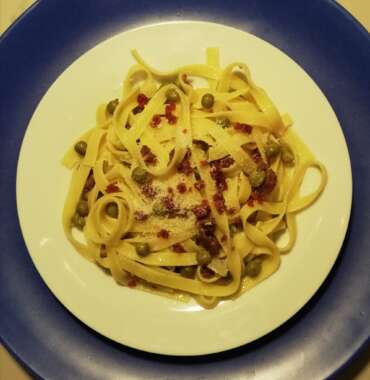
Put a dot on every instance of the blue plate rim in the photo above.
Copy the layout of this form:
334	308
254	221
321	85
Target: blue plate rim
358	26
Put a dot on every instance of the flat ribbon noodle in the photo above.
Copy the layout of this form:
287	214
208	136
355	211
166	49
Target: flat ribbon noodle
144	218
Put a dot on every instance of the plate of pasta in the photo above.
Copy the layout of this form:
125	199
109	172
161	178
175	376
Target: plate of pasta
187	188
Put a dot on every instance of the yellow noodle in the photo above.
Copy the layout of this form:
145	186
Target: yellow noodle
122	228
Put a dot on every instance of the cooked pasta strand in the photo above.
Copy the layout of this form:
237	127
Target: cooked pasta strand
181	190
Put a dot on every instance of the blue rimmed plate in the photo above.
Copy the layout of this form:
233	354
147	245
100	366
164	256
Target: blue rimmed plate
40	47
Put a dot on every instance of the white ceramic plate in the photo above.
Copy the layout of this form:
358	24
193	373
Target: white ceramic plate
149	322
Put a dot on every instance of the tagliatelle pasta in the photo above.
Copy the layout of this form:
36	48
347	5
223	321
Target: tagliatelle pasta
183	189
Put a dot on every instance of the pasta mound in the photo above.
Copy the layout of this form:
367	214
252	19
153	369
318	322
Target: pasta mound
184	190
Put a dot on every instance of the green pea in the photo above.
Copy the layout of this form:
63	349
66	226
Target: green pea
203	257
207	101
82	208
80	148
159	208
140	175
112	209
257	177
272	149
253	267
223	122
187	272
112	105
287	155
78	221
172	95
142	249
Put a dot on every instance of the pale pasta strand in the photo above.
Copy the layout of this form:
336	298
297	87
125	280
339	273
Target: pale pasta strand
180	190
